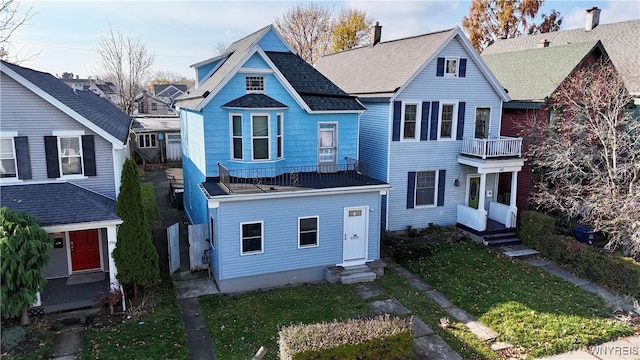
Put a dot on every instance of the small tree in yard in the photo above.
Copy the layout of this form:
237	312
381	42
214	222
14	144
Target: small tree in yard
135	256
24	250
589	160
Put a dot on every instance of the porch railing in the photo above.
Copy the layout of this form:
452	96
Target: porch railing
352	172
489	148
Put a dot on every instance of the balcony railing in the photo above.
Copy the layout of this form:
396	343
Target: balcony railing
492	148
270	179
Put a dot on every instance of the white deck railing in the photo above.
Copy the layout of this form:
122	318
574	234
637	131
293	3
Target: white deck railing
488	148
470	217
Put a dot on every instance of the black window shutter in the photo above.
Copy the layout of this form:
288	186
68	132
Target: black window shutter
88	155
441	183
460	129
51	153
397	111
22	157
440	67
424	123
462	71
435	107
411	189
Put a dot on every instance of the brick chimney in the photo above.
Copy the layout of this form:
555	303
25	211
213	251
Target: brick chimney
593	18
375	34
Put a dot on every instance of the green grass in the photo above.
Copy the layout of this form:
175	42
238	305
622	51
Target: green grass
157	334
528	307
240	324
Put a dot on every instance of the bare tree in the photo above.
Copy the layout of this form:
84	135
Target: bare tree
11	18
221	46
307	28
127	63
588	161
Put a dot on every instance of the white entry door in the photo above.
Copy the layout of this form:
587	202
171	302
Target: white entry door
174	147
355	235
327	148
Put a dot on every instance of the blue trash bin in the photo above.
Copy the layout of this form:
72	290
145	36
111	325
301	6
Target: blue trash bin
584	234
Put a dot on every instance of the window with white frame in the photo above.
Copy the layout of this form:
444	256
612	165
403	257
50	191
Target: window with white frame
251	238
308	231
147	141
410	124
279	129
447	125
483	115
236	137
70	155
8	159
255	83
425	193
451	67
260	136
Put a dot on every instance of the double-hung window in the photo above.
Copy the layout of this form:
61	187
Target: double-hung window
236	137
425	192
251	238
410	123
147	141
70	155
308	231
447	124
451	67
8	167
260	136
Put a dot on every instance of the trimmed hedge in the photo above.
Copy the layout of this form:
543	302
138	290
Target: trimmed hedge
382	337
609	270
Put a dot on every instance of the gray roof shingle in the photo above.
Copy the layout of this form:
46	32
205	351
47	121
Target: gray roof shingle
528	75
255	101
72	204
92	107
621	40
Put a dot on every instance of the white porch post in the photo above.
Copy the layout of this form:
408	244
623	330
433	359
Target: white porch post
483	187
513	208
112	239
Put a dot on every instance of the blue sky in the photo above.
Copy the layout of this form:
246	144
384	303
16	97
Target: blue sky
180	33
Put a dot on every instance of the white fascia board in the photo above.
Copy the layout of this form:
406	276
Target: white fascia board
216	200
337	112
209	60
254	109
81	226
64	108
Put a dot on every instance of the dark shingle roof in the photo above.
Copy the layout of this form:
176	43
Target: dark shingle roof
92	107
169	89
318	92
255	101
71	204
619	39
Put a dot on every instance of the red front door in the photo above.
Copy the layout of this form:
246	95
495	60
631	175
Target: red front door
85	250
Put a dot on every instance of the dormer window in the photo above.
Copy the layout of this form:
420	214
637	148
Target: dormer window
451	67
255	83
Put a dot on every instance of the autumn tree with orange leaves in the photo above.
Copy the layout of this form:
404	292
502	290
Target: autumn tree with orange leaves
489	20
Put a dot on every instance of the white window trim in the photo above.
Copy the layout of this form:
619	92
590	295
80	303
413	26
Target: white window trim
231	136
4	136
317	232
457	59
454	120
475	119
280	121
212	232
67	133
435	190
71	176
264	84
147	136
261	238
268	137
418	105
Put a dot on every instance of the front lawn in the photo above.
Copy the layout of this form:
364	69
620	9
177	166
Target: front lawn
240	324
528	307
154	331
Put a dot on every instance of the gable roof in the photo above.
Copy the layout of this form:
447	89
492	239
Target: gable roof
255	101
311	87
620	39
36	199
383	69
170	90
98	114
534	74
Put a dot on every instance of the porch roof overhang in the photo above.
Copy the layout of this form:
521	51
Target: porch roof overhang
490	166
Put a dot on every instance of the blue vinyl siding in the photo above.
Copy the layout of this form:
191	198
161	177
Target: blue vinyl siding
195	203
271	42
205	69
255	62
280	237
475	91
375	138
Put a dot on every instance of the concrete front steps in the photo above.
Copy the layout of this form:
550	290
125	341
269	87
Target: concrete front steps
355	274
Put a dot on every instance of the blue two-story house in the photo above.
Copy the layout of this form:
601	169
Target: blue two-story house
432	129
270	163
